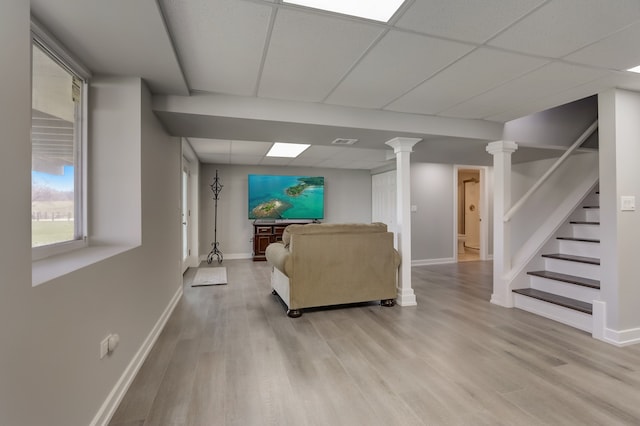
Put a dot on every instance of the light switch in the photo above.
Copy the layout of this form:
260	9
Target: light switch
628	203
414	208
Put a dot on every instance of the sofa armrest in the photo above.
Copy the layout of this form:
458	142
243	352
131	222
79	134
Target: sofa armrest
396	258
278	256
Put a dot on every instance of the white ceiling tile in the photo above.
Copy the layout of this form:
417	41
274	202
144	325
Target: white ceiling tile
334	163
214	158
220	42
474	74
396	64
309	53
563	26
545	81
275	161
210	146
250	147
321	151
305	162
245	159
619	51
622	80
363	154
474	21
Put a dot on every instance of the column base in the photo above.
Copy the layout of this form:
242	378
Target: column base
504	301
406	297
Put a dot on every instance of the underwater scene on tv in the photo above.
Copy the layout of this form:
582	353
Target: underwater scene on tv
286	197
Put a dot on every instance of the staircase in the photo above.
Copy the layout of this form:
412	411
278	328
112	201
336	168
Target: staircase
565	289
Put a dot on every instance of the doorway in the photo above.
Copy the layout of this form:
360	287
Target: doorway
469	196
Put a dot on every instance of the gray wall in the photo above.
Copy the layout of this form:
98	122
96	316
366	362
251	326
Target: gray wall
559	126
50	371
347	199
17	316
433	223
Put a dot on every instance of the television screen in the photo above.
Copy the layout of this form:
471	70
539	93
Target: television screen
286	197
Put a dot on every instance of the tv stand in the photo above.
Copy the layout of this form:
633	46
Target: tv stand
265	233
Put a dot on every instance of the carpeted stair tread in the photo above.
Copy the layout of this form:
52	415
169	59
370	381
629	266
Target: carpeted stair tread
571	279
572	258
583	240
565	302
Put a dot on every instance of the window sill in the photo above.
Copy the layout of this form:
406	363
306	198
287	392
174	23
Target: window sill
53	267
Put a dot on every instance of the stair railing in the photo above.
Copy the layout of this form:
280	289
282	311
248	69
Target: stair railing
518	205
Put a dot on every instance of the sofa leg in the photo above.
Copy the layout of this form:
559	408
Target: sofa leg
388	302
294	313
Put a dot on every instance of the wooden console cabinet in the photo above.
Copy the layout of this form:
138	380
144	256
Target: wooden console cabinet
265	234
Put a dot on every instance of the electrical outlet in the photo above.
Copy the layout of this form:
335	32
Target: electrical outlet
104	347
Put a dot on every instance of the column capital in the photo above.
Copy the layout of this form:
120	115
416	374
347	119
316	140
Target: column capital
497	147
402	144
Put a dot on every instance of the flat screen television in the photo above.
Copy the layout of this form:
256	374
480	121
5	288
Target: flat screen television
286	197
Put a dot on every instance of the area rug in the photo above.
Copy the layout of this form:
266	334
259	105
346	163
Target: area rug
210	276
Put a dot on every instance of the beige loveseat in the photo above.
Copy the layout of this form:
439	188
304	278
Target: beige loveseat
333	264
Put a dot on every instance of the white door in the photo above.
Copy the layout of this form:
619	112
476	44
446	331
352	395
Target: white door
185	220
472	214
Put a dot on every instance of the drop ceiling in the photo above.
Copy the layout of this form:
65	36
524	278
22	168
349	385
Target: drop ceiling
451	64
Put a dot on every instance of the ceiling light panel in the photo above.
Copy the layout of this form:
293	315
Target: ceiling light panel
289	150
377	10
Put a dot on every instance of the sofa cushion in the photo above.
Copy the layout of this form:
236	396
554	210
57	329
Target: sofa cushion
331	228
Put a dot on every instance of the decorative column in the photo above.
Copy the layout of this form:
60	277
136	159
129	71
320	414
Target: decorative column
402	147
501	151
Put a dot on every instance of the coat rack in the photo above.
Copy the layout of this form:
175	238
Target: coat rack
216	187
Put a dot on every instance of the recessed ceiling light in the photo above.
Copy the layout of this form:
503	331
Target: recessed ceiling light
290	150
635	69
378	10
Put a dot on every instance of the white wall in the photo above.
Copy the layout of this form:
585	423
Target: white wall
620	176
50	372
347	199
114	155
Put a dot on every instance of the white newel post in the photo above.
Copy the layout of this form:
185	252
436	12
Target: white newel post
501	151
402	147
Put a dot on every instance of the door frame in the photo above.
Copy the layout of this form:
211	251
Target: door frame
484	209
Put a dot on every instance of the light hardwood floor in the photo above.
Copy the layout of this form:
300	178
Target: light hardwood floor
230	356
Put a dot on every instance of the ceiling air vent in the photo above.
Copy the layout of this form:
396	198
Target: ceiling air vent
342	141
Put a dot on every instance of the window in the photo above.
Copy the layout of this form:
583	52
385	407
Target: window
57	160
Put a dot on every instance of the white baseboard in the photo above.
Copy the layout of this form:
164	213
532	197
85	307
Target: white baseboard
623	337
108	408
424	262
230	256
